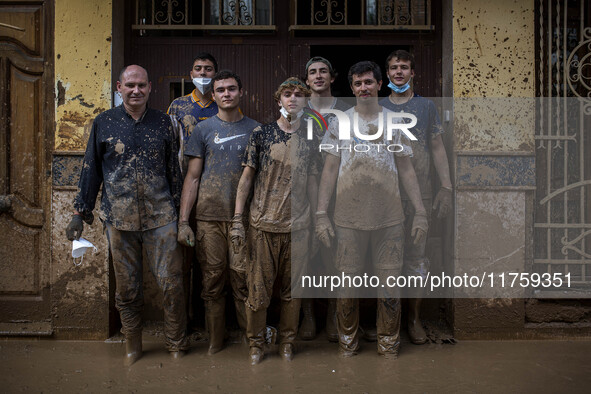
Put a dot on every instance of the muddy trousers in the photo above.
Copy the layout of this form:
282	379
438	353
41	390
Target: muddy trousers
271	259
387	321
164	257
219	264
385	246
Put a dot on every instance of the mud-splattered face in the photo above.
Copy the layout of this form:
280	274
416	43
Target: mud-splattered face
293	100
134	88
202	68
319	78
365	86
227	94
399	71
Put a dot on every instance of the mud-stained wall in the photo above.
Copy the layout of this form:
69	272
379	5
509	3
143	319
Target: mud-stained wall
80	294
82	68
493	57
494	121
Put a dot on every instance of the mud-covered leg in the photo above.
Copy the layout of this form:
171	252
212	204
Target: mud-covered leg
388	324
348	325
126	251
166	263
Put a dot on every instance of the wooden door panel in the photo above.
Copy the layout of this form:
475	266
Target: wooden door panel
22	25
24	201
25	149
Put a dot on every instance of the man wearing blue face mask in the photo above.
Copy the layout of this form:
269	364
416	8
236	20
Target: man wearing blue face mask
198	105
400	66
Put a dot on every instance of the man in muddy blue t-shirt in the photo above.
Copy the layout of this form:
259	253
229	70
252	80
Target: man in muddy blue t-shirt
428	147
215	151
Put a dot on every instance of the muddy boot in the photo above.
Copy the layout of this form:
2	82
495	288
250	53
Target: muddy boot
255	331
288	327
331	321
216	324
133	349
416	332
256	355
286	351
308	327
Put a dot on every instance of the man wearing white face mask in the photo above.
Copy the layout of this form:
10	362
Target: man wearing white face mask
199	104
285	190
400	66
186	112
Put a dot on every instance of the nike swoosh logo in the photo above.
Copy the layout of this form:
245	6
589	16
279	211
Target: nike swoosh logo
218	140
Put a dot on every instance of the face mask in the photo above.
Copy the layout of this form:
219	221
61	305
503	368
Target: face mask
287	115
400	89
203	84
79	247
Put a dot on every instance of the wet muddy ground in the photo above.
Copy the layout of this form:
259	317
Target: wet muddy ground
469	366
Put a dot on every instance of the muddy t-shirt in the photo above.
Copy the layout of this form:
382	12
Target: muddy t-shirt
367	192
190	110
221	145
428	126
283	161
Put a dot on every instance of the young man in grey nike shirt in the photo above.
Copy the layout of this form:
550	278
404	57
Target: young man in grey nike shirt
215	150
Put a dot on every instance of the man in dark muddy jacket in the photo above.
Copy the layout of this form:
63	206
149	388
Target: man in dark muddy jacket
132	151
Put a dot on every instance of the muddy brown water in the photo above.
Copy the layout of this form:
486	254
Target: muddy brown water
469	366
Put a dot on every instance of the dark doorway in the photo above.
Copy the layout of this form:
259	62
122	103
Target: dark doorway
342	57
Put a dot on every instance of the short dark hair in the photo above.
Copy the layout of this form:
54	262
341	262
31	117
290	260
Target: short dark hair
226	74
362	68
206	56
402	55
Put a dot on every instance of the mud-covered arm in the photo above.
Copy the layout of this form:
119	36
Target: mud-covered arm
440	161
408	177
420	222
244	187
190	188
91	178
173	170
313	193
327	181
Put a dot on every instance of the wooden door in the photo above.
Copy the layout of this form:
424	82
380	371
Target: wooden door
25	72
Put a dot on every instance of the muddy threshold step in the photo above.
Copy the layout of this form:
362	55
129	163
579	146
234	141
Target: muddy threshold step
26	329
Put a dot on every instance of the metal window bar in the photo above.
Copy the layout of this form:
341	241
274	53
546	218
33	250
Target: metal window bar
175	15
334	15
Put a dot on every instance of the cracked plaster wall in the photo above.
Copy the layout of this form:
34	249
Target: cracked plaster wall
80	295
82	68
